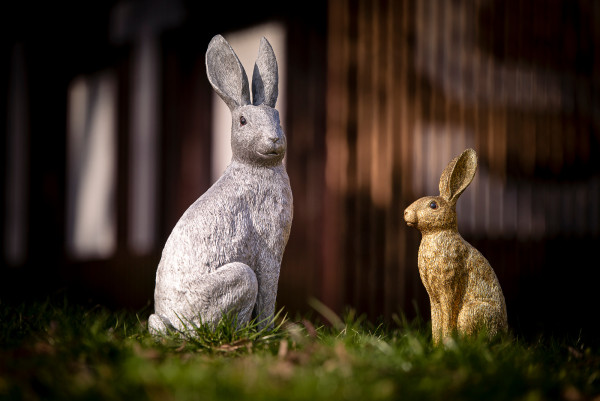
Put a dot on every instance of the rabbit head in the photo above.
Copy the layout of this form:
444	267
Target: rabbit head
256	134
433	213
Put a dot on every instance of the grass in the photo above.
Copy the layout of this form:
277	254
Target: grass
56	350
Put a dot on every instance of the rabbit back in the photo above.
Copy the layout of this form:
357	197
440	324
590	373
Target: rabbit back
446	259
483	283
483	304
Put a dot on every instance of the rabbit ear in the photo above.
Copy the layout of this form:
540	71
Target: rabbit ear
458	175
226	74
265	77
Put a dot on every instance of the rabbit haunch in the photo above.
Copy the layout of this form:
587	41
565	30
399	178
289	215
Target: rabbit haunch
463	289
224	254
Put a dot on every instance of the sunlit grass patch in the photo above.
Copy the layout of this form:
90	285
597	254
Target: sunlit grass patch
228	336
56	350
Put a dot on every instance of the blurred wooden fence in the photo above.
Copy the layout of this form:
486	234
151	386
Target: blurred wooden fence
380	96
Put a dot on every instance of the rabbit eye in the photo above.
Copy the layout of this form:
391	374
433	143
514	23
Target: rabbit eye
433	205
243	120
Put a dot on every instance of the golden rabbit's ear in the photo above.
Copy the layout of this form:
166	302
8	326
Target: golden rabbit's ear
457	176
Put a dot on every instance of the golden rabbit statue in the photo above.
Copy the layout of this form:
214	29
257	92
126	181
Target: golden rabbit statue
463	289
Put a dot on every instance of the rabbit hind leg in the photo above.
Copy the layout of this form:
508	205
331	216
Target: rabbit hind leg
230	289
158	325
477	315
436	322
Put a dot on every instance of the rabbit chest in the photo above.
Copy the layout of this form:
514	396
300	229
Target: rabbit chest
441	261
244	217
269	200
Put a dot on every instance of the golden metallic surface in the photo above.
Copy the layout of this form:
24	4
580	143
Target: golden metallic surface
463	289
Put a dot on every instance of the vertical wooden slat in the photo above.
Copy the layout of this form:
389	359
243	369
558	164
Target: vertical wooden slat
371	131
383	156
401	149
361	244
353	236
470	70
374	131
447	109
332	290
416	178
388	92
465	28
415	145
407	15
401	123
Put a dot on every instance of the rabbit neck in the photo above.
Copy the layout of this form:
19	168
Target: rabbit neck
256	162
435	234
243	166
449	227
259	184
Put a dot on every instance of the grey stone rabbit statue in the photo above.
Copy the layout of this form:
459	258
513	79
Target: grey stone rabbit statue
225	252
463	289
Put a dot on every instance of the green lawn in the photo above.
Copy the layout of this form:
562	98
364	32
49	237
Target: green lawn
54	350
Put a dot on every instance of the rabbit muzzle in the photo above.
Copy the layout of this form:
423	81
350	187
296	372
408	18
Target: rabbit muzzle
410	216
272	148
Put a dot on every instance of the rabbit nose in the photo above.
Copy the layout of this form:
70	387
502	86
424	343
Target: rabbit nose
275	139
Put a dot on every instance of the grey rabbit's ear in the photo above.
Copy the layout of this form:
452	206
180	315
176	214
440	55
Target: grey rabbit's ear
265	77
458	175
226	74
